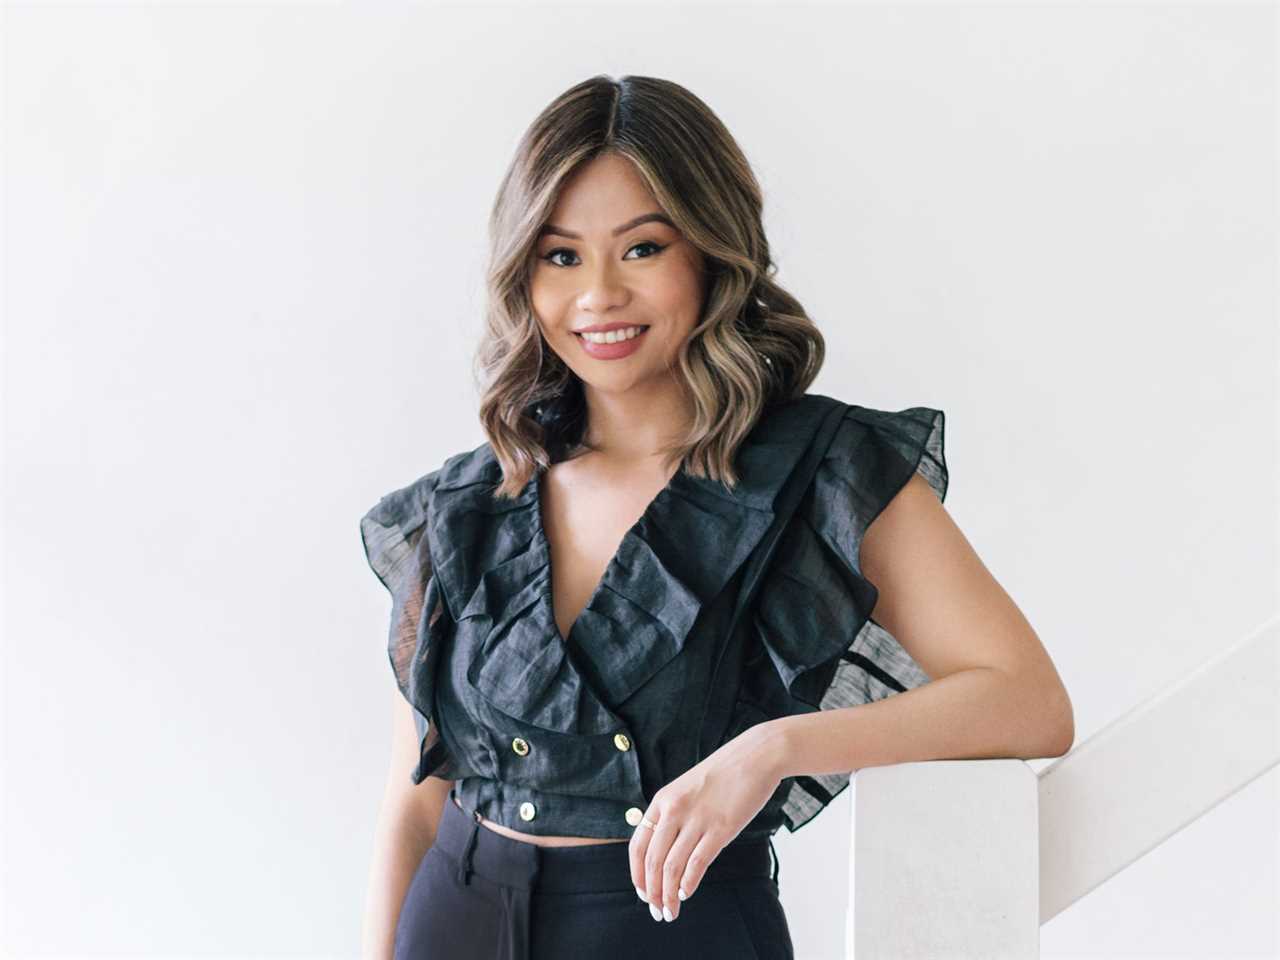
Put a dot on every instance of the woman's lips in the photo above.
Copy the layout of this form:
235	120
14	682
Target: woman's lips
612	351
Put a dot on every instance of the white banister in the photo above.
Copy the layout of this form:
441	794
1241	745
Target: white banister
945	862
967	858
1152	771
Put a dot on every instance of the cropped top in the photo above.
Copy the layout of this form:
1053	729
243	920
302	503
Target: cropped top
572	736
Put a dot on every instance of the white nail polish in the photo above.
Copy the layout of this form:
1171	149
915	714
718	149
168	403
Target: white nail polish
682	894
653	911
666	913
640	894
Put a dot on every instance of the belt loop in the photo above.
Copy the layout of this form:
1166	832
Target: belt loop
464	868
777	863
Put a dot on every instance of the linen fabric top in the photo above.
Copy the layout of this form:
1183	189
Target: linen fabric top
572	736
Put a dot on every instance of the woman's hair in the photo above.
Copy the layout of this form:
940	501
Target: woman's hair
753	345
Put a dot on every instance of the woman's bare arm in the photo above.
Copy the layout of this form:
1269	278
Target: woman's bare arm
406	829
994	692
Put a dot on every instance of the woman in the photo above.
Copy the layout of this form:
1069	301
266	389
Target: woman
598	739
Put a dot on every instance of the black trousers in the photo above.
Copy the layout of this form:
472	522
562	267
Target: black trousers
478	895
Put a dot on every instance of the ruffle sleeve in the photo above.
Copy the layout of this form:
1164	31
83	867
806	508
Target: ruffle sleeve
393	533
819	649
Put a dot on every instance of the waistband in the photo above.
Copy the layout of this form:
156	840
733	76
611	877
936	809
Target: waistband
582	868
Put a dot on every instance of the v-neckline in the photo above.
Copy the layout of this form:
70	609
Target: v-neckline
540	529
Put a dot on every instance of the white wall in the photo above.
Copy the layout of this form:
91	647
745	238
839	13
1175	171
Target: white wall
243	253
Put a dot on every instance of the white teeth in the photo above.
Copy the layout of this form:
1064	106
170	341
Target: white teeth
612	336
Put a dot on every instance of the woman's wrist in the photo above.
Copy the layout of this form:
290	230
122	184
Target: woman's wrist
773	745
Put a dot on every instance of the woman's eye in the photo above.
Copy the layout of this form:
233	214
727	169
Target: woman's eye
551	256
647	243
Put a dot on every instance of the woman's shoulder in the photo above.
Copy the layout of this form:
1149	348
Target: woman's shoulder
876	450
915	423
872	456
406	507
867	438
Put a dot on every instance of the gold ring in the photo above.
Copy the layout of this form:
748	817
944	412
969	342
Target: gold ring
646	822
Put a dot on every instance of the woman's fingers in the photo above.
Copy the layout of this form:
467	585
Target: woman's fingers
655	859
669	861
700	857
641	837
674	869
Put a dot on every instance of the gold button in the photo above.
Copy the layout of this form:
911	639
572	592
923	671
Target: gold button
526	811
634	816
622	741
520	746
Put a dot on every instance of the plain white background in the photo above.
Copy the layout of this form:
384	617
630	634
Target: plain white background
243	251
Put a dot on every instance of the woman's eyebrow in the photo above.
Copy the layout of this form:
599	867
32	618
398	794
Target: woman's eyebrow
654	217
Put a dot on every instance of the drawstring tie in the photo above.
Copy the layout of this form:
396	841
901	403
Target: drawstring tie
465	869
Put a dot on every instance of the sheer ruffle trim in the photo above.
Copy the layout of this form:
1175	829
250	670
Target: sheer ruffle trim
397	550
812	617
678	556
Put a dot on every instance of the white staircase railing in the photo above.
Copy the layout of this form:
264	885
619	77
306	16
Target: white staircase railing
967	858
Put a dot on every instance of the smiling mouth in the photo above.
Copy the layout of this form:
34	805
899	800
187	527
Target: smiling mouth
641	327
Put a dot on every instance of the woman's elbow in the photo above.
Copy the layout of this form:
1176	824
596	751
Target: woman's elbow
1063	725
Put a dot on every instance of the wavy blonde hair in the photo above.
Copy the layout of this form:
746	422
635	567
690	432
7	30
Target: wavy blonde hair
753	345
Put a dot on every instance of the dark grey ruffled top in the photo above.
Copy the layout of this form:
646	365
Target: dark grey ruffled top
568	736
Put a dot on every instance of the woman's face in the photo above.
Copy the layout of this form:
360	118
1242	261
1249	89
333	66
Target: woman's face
586	275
